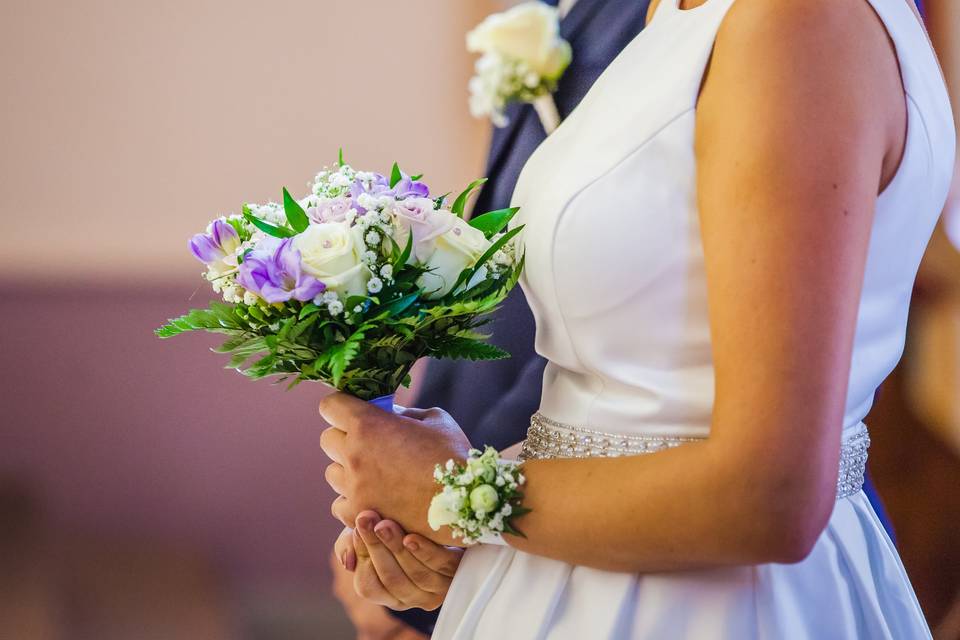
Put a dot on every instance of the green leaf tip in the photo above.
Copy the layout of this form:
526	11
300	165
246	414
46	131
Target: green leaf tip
266	227
461	202
395	175
493	222
296	216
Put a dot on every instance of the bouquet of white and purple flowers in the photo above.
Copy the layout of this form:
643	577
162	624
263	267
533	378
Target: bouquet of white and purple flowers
355	282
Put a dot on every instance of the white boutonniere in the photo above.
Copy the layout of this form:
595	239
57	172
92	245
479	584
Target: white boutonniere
522	59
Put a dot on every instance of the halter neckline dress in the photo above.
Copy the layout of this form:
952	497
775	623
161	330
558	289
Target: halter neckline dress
615	278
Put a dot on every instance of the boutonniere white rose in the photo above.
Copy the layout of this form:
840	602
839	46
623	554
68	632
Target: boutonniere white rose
522	59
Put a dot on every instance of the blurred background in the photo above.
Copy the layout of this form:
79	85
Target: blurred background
144	491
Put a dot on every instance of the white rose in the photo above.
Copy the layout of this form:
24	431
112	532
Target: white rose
529	32
331	253
457	249
481	469
484	499
445	508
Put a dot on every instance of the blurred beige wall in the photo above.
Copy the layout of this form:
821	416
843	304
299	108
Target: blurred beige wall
127	125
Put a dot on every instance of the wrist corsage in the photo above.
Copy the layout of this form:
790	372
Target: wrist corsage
479	498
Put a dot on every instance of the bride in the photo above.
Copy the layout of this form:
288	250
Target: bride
721	243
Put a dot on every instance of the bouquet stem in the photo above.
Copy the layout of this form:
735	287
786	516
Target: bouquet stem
547	110
384	402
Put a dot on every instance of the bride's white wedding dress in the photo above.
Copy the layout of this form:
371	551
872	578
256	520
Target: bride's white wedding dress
615	277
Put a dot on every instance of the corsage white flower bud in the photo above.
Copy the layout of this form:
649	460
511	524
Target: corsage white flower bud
484	499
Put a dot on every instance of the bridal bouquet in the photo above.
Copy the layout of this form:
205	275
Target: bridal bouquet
523	58
354	282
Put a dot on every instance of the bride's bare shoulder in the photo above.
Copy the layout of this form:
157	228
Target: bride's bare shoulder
826	22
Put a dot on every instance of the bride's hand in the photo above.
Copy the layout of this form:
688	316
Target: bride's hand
385	462
396	570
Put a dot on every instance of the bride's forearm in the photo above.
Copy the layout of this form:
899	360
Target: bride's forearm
691	507
512	452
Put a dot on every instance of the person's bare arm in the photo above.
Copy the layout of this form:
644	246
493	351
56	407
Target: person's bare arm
943	22
800	123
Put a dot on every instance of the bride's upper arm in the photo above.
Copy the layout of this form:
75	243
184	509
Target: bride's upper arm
792	132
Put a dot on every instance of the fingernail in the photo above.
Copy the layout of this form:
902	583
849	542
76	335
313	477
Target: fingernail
411	545
350	562
365	523
342	559
383	532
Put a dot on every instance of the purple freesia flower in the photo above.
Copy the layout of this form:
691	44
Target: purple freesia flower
377	187
274	273
220	241
380	186
409	188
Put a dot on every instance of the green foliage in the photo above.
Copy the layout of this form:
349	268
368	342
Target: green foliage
493	222
266	227
466	274
461	202
239	227
455	347
395	175
296	216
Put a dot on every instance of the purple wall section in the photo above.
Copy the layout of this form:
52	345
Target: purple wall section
121	433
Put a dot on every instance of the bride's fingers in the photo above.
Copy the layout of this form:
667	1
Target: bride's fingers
366	582
367	585
341	511
331	441
343	549
335	477
388	569
443	560
425	578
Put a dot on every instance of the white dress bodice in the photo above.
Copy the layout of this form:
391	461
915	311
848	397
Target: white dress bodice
615	272
615	278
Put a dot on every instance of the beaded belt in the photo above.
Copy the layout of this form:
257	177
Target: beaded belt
549	439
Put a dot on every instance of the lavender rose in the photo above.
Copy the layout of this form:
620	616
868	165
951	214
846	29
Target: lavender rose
418	216
275	274
379	186
330	210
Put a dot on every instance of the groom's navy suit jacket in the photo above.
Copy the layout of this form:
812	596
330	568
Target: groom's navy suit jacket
493	401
